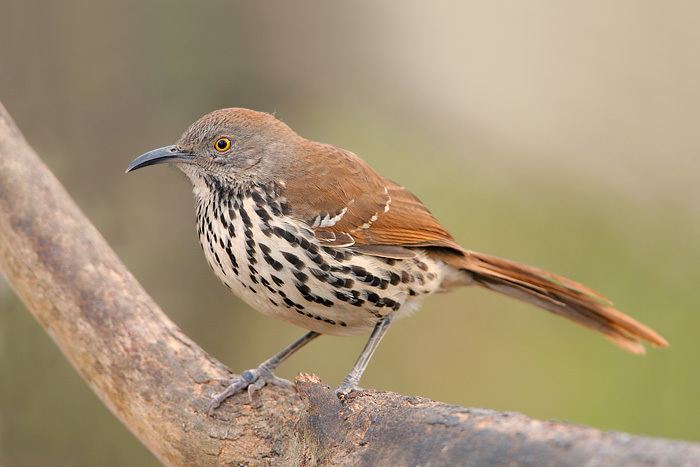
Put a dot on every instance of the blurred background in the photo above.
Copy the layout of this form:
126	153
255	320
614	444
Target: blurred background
561	134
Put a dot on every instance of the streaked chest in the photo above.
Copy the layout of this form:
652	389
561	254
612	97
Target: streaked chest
276	265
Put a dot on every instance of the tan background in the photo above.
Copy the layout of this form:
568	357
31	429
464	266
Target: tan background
563	134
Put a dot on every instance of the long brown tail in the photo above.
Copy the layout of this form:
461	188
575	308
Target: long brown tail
561	296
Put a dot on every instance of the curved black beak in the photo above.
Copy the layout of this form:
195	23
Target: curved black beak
159	156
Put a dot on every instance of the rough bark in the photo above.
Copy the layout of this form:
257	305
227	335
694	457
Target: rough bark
158	382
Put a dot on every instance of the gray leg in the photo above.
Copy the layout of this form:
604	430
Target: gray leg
353	378
254	380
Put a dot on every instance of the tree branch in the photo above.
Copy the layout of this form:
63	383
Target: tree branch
158	382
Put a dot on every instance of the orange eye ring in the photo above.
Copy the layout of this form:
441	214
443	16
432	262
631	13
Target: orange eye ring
222	144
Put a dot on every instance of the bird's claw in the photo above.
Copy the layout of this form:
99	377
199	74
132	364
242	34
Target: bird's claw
250	380
344	390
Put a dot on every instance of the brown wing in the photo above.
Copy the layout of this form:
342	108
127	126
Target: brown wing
346	203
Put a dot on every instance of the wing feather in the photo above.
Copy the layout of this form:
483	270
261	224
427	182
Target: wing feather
341	198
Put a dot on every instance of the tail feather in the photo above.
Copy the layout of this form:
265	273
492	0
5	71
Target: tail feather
560	296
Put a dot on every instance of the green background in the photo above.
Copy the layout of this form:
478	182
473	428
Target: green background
559	134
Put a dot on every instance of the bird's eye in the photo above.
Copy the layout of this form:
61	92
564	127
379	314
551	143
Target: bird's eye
222	144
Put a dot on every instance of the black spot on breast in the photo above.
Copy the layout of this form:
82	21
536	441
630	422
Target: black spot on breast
372	297
317	258
245	217
289	237
328	278
304	243
262	214
393	304
311	248
291	304
275	208
305	292
369	278
319	318
218	261
351	297
257	198
277	281
293	260
318	274
231	257
276	265
300	276
336	253
394	278
267	285
249	242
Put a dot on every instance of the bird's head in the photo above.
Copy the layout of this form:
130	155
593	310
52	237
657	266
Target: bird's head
230	146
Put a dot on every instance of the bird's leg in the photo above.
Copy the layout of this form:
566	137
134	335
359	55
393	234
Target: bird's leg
353	378
253	380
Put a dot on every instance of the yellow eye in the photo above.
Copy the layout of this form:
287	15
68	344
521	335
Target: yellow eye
222	144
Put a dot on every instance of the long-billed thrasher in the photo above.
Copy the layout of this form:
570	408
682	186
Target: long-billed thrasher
310	234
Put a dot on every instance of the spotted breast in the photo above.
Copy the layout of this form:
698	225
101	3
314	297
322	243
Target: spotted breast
278	266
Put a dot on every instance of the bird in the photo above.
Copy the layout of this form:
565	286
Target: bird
310	234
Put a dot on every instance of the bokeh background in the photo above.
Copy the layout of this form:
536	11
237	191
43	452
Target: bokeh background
562	134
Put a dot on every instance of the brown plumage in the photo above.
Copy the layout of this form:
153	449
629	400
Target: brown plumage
309	233
379	212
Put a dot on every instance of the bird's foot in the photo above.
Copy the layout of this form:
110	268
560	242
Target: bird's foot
345	388
252	380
